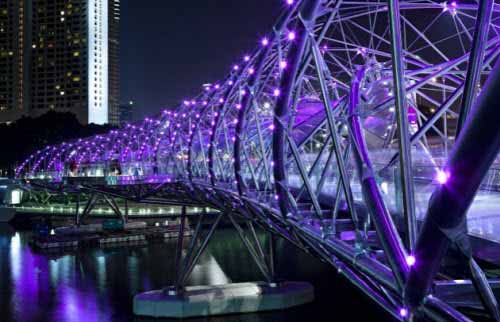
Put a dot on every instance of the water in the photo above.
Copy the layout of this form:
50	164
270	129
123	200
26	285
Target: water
99	284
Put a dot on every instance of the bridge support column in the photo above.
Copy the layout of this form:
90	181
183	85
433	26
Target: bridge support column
88	208
77	208
181	301
126	210
91	202
178	259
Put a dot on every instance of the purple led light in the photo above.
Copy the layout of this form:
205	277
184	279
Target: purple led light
291	35
403	312
411	260
442	177
361	51
265	41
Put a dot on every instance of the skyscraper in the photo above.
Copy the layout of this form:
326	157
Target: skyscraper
127	112
15	18
114	58
66	59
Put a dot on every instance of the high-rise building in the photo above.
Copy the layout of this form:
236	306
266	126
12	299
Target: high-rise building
64	58
15	18
114	58
126	112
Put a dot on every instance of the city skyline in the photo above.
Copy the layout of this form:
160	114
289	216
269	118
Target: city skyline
207	38
62	56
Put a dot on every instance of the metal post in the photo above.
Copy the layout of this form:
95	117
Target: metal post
271	264
87	209
188	268
386	230
212	148
475	65
194	238
468	164
402	121
77	210
178	257
253	253
344	177
248	100
282	108
126	210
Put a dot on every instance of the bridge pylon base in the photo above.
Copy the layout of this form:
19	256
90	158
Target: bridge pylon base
235	298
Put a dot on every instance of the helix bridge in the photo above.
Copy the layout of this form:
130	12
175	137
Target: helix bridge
364	132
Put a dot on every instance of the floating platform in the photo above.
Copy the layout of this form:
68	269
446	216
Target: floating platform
204	301
90	237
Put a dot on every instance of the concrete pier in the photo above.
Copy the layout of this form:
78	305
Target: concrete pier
198	301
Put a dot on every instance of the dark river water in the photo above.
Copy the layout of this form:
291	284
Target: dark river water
99	284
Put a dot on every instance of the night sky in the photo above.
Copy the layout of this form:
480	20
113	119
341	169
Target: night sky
169	48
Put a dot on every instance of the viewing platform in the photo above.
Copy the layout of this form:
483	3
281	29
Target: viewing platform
206	301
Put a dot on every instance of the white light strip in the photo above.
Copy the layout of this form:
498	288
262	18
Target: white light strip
98	61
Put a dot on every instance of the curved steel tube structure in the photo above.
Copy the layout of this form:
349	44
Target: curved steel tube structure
304	138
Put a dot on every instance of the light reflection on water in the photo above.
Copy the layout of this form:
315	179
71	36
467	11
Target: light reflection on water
99	284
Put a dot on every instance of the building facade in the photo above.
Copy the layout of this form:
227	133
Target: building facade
14	62
65	59
127	112
114	59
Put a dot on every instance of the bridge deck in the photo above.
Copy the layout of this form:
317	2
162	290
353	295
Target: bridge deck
483	218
